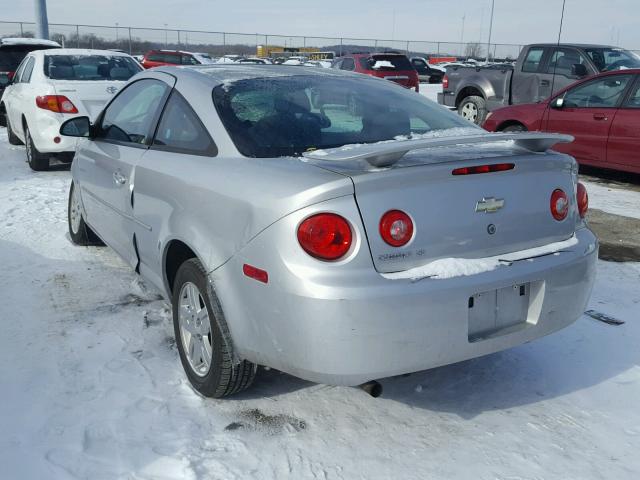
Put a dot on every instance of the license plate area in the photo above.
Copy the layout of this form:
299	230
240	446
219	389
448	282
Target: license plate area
499	312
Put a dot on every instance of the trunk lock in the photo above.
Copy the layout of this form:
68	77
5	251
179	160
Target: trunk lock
491	229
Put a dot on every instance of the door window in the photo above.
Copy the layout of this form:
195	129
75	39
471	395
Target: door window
131	116
602	93
562	61
189	60
18	74
634	98
25	76
180	130
348	64
532	60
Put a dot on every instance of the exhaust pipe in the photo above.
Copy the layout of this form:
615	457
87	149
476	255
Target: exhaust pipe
373	388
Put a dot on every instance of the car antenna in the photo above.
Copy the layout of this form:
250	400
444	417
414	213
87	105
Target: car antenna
553	79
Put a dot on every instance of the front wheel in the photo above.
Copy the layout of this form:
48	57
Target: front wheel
516	127
473	108
79	231
203	338
36	160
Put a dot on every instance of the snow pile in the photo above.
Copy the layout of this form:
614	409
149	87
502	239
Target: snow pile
382	64
461	267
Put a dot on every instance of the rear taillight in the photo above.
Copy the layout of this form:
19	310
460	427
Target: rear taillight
559	204
396	228
495	167
445	82
325	236
583	200
56	103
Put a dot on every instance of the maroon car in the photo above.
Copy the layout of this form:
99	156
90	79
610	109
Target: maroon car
390	66
602	113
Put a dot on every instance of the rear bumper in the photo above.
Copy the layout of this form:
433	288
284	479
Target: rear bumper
448	99
45	128
371	327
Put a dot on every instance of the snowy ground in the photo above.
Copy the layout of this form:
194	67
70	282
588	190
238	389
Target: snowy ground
430	90
92	387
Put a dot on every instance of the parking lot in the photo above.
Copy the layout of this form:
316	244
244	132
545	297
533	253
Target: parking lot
93	388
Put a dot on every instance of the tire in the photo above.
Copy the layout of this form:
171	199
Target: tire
79	231
516	127
13	138
211	343
38	162
473	108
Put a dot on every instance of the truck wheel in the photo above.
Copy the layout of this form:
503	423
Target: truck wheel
13	138
203	338
516	127
37	161
473	108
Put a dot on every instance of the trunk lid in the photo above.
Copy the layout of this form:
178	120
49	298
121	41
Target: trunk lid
88	96
447	210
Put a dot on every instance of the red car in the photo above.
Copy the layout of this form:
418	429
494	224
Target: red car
159	58
391	66
602	113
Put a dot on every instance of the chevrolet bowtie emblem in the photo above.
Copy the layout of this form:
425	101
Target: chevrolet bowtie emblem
489	205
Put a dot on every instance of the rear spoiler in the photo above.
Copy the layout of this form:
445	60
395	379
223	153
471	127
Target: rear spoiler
384	154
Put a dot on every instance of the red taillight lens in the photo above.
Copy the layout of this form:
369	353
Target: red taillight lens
445	82
496	167
326	236
396	228
559	204
56	103
583	200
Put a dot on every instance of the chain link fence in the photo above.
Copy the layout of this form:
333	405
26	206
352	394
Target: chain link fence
137	40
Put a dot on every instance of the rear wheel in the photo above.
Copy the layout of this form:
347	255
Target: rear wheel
473	108
36	160
516	127
203	338
13	138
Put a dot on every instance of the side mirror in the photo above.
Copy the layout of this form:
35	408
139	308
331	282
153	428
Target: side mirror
557	103
76	127
578	70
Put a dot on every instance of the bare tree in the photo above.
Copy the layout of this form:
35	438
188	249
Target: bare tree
473	50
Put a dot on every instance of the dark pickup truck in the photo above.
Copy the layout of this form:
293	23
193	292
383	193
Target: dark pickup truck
474	91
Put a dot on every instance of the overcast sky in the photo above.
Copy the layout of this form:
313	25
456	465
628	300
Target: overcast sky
515	21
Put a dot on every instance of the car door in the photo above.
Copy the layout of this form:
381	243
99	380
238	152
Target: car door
525	79
624	136
557	71
13	98
166	191
105	168
587	113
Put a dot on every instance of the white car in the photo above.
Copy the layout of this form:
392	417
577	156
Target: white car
51	86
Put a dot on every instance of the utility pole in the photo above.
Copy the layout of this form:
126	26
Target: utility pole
166	41
42	23
462	33
490	30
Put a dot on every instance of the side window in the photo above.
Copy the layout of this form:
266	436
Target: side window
348	64
19	70
562	61
131	117
337	64
634	98
25	76
601	93
189	60
180	130
532	60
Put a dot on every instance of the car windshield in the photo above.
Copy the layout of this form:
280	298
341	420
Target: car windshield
608	59
90	67
386	63
272	117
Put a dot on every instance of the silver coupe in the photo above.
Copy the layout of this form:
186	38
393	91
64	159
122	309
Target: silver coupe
330	225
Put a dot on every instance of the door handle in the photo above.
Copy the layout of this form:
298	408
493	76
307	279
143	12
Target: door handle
118	178
545	83
599	116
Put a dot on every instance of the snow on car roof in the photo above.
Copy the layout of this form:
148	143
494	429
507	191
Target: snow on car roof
28	41
83	51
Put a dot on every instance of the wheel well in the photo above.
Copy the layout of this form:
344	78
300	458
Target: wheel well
510	123
467	92
177	253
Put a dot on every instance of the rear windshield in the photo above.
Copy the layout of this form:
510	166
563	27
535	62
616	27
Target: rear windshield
390	63
89	67
273	117
11	56
608	59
